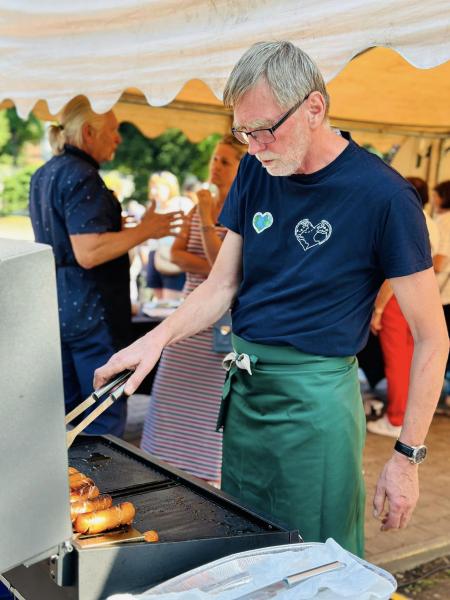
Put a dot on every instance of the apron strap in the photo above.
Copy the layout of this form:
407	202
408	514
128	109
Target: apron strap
232	363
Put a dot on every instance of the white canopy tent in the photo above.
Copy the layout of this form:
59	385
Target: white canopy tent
134	53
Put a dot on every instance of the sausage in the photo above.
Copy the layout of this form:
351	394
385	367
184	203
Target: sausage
78	481
82	483
86	492
85	506
151	536
73	471
75	477
102	520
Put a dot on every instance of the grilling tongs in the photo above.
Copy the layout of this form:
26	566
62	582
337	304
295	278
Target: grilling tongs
115	386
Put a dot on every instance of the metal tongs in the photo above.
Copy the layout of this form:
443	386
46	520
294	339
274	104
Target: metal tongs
115	386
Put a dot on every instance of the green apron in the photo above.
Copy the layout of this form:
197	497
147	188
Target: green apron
294	432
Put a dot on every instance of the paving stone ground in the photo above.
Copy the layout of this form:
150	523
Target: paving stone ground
428	534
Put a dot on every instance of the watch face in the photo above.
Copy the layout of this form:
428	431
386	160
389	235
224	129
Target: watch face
419	454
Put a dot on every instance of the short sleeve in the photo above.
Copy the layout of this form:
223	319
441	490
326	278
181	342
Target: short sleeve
404	246
229	216
87	206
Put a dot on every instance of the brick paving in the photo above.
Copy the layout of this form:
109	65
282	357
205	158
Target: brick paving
428	533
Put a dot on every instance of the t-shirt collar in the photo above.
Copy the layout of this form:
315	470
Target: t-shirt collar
68	148
331	167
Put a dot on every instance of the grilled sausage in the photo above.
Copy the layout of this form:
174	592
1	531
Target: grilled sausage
78	481
73	471
102	520
86	492
86	506
75	477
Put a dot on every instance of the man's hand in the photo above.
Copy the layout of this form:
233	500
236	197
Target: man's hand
140	357
398	487
161	225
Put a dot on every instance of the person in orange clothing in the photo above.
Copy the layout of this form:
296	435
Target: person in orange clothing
396	341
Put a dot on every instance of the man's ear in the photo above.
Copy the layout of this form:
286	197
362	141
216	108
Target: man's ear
316	109
87	132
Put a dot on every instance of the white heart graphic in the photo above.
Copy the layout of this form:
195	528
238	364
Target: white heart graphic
309	235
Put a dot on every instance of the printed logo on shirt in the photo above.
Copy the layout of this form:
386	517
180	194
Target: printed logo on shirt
262	221
309	235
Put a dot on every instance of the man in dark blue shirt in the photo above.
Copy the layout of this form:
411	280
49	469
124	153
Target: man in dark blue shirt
72	210
315	224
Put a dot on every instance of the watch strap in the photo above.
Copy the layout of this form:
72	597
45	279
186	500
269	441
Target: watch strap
404	449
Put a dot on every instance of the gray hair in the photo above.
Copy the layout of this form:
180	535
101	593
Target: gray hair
75	114
290	73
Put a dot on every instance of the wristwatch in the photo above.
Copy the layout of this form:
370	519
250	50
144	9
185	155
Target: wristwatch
416	454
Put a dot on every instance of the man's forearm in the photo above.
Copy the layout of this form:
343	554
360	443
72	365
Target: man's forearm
425	384
202	307
93	249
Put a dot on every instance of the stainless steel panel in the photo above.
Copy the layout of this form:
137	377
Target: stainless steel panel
34	495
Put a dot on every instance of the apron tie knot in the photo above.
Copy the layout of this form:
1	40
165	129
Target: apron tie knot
232	363
241	361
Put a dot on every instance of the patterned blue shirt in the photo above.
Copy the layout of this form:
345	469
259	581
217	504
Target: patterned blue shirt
67	197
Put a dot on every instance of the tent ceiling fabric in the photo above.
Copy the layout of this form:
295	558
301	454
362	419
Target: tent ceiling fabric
55	50
380	87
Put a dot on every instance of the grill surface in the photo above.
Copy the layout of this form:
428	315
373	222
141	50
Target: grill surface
196	524
178	514
111	467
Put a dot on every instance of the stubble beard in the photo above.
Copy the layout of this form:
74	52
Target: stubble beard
285	166
288	164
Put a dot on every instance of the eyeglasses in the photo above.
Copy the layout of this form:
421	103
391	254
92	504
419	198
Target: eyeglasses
266	136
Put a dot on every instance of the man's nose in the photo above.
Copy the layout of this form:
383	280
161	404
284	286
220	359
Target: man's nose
254	146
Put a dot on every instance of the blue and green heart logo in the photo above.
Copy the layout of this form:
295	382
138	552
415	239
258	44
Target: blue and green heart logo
262	221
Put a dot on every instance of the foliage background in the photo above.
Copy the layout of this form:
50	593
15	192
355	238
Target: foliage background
23	149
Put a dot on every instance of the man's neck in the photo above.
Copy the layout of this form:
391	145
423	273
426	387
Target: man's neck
325	146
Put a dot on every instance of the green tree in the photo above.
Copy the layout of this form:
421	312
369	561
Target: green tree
172	151
20	132
5	132
14	197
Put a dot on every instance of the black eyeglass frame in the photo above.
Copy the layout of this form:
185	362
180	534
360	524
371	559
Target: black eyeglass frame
271	130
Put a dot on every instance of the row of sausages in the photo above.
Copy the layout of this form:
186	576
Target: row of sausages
92	512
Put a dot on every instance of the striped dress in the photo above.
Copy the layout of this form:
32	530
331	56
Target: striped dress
180	424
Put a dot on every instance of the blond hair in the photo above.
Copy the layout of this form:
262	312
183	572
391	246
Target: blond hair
74	115
230	140
168	179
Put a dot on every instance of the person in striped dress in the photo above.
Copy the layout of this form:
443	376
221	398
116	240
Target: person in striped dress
180	425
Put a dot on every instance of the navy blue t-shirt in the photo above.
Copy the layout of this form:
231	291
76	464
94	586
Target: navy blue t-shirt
68	196
317	247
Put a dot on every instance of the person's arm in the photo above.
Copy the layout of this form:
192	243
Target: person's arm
384	295
439	262
201	308
210	239
398	484
93	249
188	262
